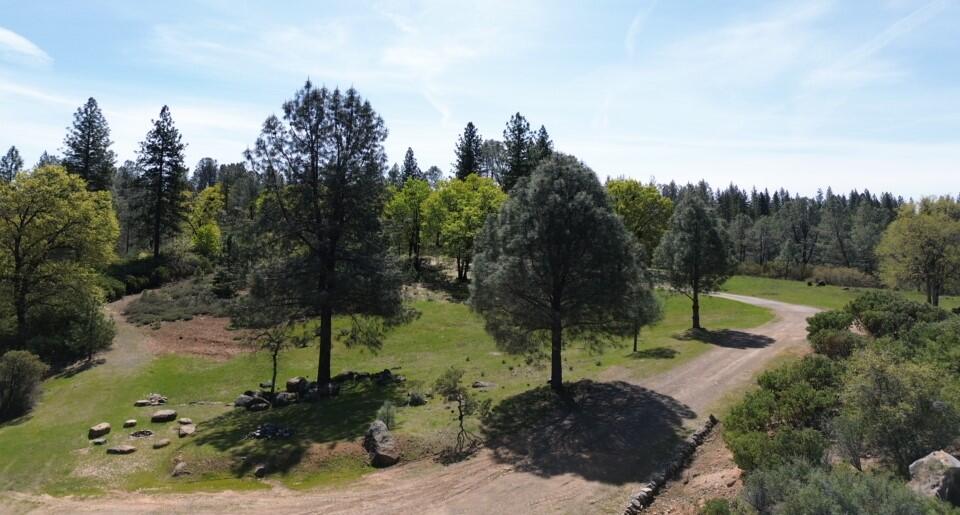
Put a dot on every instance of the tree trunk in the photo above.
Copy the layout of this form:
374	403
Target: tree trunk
326	345
696	308
556	358
636	336
273	380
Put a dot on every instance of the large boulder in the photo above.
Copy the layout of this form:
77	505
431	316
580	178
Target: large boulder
937	475
161	443
98	430
130	423
164	415
243	401
284	399
297	384
186	430
258	404
381	445
122	449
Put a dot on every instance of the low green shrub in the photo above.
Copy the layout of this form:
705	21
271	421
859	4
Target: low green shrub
387	413
717	507
179	301
20	376
843	276
834	320
836	344
755	449
113	288
883	313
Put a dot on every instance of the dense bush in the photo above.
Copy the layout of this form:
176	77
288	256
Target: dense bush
836	344
757	449
180	301
798	488
20	375
387	413
842	276
140	273
833	320
113	288
903	410
69	328
883	313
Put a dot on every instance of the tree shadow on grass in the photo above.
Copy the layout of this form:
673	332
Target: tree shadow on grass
727	338
345	417
610	432
437	279
654	353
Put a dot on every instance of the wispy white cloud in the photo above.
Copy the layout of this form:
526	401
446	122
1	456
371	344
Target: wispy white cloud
636	26
15	47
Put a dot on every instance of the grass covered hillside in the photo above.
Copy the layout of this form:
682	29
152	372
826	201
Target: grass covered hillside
48	450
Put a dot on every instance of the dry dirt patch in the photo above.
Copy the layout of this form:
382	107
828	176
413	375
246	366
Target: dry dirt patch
205	336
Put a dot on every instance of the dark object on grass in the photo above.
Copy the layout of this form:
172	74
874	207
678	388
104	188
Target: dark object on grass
269	431
381	445
143	433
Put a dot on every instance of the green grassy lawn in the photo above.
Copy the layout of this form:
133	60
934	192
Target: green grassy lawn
797	292
48	450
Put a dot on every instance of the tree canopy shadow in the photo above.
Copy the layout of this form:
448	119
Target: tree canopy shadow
610	432
654	353
344	417
728	338
435	278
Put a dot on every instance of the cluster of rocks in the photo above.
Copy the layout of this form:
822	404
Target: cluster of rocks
937	475
644	497
97	433
154	399
269	431
383	378
382	447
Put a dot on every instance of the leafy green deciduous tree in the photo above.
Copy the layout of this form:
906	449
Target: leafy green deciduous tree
54	235
322	166
404	213
694	254
455	213
555	264
468	151
921	247
86	148
645	212
162	180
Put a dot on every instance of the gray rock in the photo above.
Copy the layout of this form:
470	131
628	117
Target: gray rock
297	384
937	475
141	403
122	449
156	399
260	471
187	430
98	430
164	415
483	384
180	469
185	421
98	441
381	445
284	399
258	404
161	443
130	423
243	401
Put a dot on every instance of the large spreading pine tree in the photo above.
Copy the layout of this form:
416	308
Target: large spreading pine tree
558	263
322	166
162	180
468	152
86	148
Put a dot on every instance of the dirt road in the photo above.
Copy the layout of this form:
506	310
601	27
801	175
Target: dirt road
488	483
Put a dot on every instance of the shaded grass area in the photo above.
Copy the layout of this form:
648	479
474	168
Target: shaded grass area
797	292
48	450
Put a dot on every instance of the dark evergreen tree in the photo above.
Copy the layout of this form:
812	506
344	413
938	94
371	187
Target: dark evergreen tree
694	254
47	159
162	180
86	149
542	146
518	143
433	175
125	200
395	177
322	166
410	168
557	264
205	173
10	165
493	160
468	151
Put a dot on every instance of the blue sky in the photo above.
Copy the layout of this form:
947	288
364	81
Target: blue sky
797	94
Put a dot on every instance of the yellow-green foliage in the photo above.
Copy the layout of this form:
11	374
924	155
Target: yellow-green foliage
456	211
645	212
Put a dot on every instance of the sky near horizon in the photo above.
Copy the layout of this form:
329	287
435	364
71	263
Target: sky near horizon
796	94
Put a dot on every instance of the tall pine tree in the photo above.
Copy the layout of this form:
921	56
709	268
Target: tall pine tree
10	164
410	170
468	152
322	165
162	180
205	173
518	142
86	149
542	147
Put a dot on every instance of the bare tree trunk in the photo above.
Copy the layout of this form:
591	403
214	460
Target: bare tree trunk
556	359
